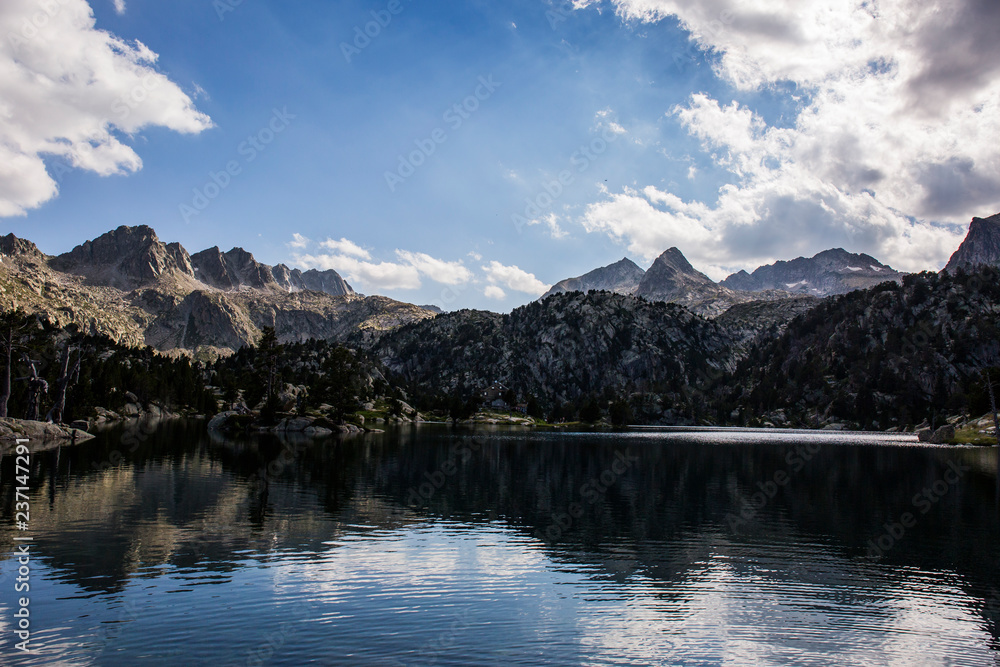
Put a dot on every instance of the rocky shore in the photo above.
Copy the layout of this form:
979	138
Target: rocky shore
12	430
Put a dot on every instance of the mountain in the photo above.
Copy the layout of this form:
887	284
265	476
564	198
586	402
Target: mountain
830	272
672	279
238	268
132	287
888	356
980	247
621	278
126	258
564	349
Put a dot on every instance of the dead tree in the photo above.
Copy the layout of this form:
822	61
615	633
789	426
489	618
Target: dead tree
38	388
11	324
67	376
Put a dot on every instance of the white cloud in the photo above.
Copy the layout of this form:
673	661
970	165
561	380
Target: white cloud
381	275
494	292
345	247
356	265
299	242
119	6
69	91
446	273
514	278
895	100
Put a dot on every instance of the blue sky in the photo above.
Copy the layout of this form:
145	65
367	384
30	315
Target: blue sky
739	137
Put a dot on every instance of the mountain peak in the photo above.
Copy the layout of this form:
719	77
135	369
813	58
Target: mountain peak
672	278
981	245
12	246
127	257
622	277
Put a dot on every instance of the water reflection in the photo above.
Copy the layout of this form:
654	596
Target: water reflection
454	547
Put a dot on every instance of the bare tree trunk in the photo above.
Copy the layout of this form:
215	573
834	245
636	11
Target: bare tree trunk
8	345
62	386
37	389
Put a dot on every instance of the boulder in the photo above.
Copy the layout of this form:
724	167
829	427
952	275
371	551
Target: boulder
924	435
943	435
221	421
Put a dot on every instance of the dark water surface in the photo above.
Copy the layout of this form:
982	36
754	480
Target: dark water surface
433	546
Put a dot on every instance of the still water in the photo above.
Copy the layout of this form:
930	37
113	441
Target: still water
433	546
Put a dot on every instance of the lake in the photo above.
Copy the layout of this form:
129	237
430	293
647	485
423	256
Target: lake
432	546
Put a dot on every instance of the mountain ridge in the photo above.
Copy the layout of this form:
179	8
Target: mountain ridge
136	289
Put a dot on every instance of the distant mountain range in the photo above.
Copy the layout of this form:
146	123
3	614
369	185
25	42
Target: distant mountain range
132	287
672	279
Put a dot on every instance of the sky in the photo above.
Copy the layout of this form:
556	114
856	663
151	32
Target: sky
473	153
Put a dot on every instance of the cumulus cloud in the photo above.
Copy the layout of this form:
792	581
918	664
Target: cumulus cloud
440	271
494	292
119	6
357	266
345	247
70	91
299	242
512	277
887	152
380	275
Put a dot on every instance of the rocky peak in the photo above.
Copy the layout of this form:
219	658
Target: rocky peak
622	277
12	246
671	276
231	270
834	271
127	257
981	245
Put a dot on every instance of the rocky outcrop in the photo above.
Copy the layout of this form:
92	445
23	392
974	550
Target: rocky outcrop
757	321
622	277
830	272
981	246
12	246
38	432
232	270
126	258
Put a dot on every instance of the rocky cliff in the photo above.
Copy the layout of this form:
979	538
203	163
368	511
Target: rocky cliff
981	246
